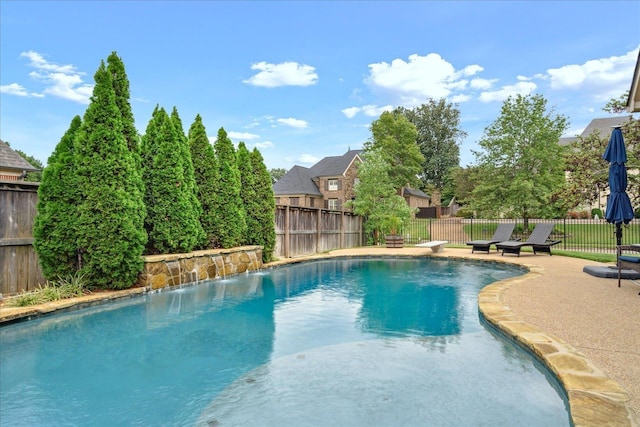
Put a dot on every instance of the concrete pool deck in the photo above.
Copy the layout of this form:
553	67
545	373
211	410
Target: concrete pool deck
584	328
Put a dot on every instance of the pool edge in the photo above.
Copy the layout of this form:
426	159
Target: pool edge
594	398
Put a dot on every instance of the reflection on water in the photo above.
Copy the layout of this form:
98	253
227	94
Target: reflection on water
163	358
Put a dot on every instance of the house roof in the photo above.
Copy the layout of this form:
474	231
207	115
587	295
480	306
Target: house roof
633	102
416	193
300	180
334	165
603	126
297	180
11	160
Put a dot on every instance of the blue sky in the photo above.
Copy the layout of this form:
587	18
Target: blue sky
304	80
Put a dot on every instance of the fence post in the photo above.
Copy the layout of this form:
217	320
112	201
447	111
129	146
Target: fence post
287	235
471	223
319	230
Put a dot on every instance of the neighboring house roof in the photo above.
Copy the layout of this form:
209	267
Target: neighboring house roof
10	160
297	180
604	125
416	193
334	165
633	102
300	180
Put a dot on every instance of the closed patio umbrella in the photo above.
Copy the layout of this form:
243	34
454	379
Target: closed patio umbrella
619	210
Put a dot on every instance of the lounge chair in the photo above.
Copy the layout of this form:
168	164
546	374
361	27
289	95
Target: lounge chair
538	240
502	234
627	262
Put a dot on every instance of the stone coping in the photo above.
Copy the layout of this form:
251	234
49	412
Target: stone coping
594	399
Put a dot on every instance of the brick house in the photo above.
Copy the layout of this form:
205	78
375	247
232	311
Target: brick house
327	184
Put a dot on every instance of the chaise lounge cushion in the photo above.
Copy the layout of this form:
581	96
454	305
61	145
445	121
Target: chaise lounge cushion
628	258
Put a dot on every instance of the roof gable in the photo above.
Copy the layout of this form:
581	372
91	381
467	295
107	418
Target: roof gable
335	165
297	180
11	160
603	126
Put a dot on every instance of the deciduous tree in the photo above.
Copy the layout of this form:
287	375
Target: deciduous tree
521	160
438	136
395	136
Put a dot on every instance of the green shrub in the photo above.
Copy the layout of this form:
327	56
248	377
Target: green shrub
464	213
595	212
637	213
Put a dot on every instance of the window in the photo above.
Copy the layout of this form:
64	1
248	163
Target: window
332	204
333	184
312	202
294	201
277	200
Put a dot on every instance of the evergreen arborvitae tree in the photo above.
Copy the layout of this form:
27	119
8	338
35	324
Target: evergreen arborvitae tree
264	209
205	171
190	185
54	235
120	81
110	212
248	194
171	222
232	227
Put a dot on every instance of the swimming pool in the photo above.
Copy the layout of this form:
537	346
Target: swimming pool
340	342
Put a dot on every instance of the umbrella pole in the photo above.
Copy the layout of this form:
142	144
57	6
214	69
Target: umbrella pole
618	234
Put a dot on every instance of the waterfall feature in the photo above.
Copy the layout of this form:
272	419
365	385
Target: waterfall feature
172	266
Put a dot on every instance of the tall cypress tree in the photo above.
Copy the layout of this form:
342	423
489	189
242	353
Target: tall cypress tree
171	221
206	176
248	194
190	185
265	208
54	235
120	81
110	228
230	232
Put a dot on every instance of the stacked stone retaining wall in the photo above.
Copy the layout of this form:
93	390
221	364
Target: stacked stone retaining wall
161	271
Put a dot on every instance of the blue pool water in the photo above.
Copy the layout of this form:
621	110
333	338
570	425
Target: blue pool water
345	342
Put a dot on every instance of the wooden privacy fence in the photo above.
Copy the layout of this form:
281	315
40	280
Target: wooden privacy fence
304	231
19	268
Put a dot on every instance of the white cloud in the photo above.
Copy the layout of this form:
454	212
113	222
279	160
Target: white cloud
482	84
308	158
351	112
265	144
457	99
283	74
421	77
520	88
368	110
603	78
375	111
294	123
242	136
63	81
14	89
